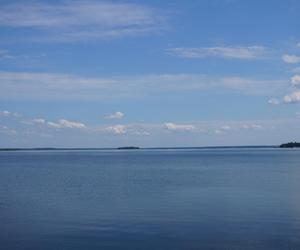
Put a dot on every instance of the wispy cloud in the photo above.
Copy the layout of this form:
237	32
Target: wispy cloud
82	20
32	132
238	126
35	86
39	120
7	131
4	54
179	127
291	59
5	113
63	123
116	129
226	127
116	115
9	114
16	58
128	129
295	80
294	97
252	126
274	101
231	52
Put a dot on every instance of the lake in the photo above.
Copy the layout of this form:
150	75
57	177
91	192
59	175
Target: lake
150	199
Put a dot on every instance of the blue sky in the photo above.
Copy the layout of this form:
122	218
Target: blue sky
149	73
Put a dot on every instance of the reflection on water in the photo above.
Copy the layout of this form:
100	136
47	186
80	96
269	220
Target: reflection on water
150	199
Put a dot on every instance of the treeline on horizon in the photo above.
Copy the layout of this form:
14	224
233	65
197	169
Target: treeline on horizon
290	145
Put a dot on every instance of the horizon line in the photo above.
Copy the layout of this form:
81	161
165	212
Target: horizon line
132	147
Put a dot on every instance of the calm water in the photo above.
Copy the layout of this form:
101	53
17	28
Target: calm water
150	199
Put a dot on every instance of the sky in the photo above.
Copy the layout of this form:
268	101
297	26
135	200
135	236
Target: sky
149	73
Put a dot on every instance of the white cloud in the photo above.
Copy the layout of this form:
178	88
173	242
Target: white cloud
53	125
252	86
129	129
41	86
7	131
62	123
225	127
248	53
252	126
203	133
222	129
256	126
298	45
245	126
7	55
178	127
116	129
117	115
5	113
140	133
291	58
39	120
83	20
274	101
69	124
292	98
8	113
295	80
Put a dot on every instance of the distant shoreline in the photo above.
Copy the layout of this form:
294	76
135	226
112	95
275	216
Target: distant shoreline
135	148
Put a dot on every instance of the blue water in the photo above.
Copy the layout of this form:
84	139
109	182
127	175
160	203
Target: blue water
150	199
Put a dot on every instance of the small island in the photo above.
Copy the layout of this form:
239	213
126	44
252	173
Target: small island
290	145
129	147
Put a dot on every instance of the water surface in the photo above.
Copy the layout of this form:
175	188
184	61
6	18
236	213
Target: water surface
150	199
